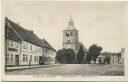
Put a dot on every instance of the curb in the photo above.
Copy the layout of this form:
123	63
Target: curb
31	67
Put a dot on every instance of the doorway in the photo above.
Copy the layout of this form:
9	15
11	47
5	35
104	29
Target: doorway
16	60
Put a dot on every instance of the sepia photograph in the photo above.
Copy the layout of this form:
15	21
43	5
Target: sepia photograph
63	38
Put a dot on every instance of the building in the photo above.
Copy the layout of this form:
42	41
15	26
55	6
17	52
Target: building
22	46
122	55
48	53
115	58
70	37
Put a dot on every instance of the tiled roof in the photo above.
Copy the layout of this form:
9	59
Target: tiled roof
15	32
47	44
25	34
9	32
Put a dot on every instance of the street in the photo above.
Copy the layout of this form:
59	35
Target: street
73	69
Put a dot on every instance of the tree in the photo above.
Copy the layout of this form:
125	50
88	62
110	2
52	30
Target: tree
80	54
65	56
94	52
70	56
60	57
88	58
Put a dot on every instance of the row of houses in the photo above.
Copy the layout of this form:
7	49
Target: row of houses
23	47
111	58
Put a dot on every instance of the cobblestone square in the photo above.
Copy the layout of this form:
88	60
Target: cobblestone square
73	69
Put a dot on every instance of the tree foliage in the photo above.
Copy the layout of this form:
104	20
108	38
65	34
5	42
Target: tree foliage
80	54
93	53
66	56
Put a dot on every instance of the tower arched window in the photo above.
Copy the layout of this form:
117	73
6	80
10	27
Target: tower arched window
67	34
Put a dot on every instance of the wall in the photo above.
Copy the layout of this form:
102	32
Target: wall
50	55
12	49
30	54
70	40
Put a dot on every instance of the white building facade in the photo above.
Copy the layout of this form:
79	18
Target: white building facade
23	47
30	54
48	53
12	52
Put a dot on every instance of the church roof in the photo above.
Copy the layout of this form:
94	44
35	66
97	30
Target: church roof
70	26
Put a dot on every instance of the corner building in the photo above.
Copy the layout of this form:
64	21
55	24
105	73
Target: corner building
22	46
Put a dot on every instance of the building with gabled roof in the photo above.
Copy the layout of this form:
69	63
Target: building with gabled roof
19	33
22	46
48	52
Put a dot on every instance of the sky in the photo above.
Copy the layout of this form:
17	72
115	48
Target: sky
97	22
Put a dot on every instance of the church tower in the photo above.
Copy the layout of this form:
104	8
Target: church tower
70	37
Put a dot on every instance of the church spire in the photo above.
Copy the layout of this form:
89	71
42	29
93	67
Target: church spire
70	23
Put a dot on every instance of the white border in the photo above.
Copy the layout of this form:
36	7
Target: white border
59	78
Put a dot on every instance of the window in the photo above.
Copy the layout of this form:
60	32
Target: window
7	57
23	57
8	43
26	57
30	47
17	45
34	58
40	49
67	34
46	50
11	57
43	50
35	48
24	46
71	33
30	57
37	58
68	41
11	44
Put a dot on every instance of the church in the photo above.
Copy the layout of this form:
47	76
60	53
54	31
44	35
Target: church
71	38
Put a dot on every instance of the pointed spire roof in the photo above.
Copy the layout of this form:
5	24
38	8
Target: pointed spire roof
71	25
71	18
